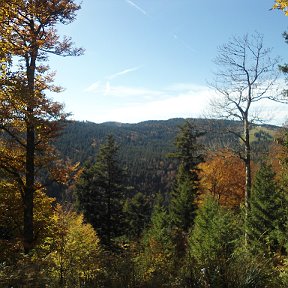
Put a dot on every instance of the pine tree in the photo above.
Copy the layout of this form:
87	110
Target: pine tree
267	217
100	192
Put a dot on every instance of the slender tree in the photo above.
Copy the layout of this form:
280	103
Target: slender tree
100	192
28	118
247	74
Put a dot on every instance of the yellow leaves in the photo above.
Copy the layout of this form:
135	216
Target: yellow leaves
11	211
223	176
281	5
77	248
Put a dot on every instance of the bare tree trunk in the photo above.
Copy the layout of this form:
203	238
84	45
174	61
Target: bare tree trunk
248	178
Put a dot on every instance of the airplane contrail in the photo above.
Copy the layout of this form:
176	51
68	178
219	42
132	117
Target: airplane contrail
123	72
136	7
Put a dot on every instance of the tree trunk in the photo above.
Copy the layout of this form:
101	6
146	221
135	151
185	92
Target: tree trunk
29	191
248	180
28	233
247	157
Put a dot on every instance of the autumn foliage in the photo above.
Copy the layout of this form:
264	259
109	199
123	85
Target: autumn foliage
282	5
223	176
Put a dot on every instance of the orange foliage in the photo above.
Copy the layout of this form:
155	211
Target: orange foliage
223	176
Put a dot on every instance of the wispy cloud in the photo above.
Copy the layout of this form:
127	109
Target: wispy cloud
123	72
134	104
187	104
103	86
131	3
117	91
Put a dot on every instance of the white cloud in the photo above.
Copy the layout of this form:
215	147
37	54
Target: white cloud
115	91
272	112
134	104
139	104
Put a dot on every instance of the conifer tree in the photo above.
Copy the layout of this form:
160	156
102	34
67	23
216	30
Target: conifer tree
100	192
212	242
137	214
268	217
189	153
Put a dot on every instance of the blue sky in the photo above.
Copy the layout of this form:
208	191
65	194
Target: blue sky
151	59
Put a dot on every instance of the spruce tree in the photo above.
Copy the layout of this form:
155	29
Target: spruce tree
182	205
267	217
100	191
137	211
212	242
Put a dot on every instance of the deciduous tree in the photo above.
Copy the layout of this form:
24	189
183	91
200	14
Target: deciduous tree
247	75
223	176
28	118
75	260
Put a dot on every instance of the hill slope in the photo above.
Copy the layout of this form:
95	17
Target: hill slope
144	146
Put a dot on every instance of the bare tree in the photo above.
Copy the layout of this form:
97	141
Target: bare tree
247	75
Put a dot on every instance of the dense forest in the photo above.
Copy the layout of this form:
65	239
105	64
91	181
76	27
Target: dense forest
144	147
176	203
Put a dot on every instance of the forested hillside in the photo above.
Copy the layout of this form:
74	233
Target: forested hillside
144	147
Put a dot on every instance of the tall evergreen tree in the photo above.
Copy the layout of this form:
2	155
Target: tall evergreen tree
267	218
189	153
100	192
